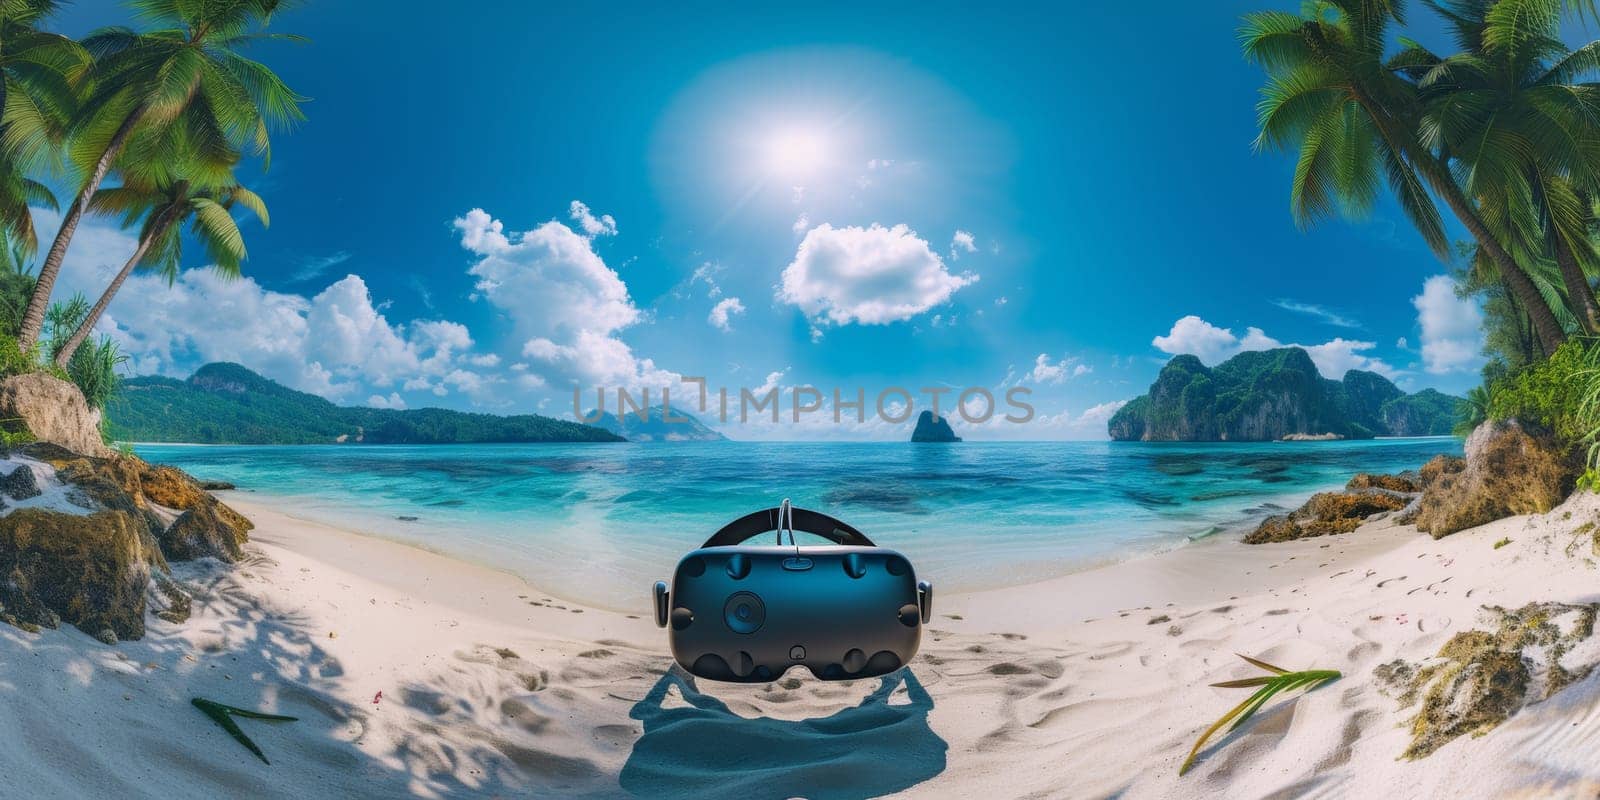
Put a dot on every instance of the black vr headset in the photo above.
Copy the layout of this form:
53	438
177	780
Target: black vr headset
748	612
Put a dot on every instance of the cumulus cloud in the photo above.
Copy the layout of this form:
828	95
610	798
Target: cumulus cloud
1212	344
331	344
590	224
1053	372
1199	338
869	276
728	306
337	343
394	400
962	242
801	224
563	300
1452	328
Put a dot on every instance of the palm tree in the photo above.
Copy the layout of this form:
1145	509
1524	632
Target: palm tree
162	209
37	95
1352	113
1521	131
182	86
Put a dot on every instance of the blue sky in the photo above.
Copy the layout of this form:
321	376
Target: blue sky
1078	197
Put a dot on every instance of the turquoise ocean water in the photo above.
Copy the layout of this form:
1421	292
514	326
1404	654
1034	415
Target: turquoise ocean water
596	523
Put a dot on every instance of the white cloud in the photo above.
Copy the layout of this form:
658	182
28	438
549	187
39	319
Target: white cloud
563	300
485	360
337	343
331	344
728	306
394	400
960	243
1320	312
1212	344
1195	336
312	268
592	225
801	224
1046	371
870	276
1452	328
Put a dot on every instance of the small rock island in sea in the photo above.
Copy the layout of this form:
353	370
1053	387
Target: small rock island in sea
933	429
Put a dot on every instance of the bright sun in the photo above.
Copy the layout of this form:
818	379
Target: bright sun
795	152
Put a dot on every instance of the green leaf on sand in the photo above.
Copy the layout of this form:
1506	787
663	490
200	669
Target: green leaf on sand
1281	680
223	715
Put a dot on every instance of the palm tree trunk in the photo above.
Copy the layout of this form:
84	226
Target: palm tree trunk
1579	294
1517	280
33	318
64	357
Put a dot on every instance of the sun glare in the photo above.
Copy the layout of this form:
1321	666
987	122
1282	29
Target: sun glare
795	152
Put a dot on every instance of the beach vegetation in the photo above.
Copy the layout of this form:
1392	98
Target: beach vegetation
146	125
1549	394
1504	540
1500	133
1276	682
179	93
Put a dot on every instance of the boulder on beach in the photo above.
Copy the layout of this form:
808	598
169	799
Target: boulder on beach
90	570
1393	483
1509	469
95	532
52	410
1327	513
187	521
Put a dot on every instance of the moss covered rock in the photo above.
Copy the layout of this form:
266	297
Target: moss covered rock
203	527
201	532
1393	483
1438	467
1509	470
1326	513
89	570
1480	678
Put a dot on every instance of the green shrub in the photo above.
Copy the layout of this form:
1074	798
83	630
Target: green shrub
1550	393
93	369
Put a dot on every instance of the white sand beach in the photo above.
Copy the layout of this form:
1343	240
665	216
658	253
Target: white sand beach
413	674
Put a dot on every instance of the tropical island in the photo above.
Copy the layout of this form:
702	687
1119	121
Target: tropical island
229	404
1274	394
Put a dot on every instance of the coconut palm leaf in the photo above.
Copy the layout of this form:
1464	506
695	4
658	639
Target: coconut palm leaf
1279	681
223	715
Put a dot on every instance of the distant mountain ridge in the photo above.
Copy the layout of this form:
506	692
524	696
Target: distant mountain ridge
225	403
1269	394
655	427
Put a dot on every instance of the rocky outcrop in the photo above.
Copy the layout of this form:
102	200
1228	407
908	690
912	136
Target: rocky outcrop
53	411
1509	469
1481	678
1439	467
1270	395
1327	513
20	483
933	429
1392	483
187	521
90	570
85	551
